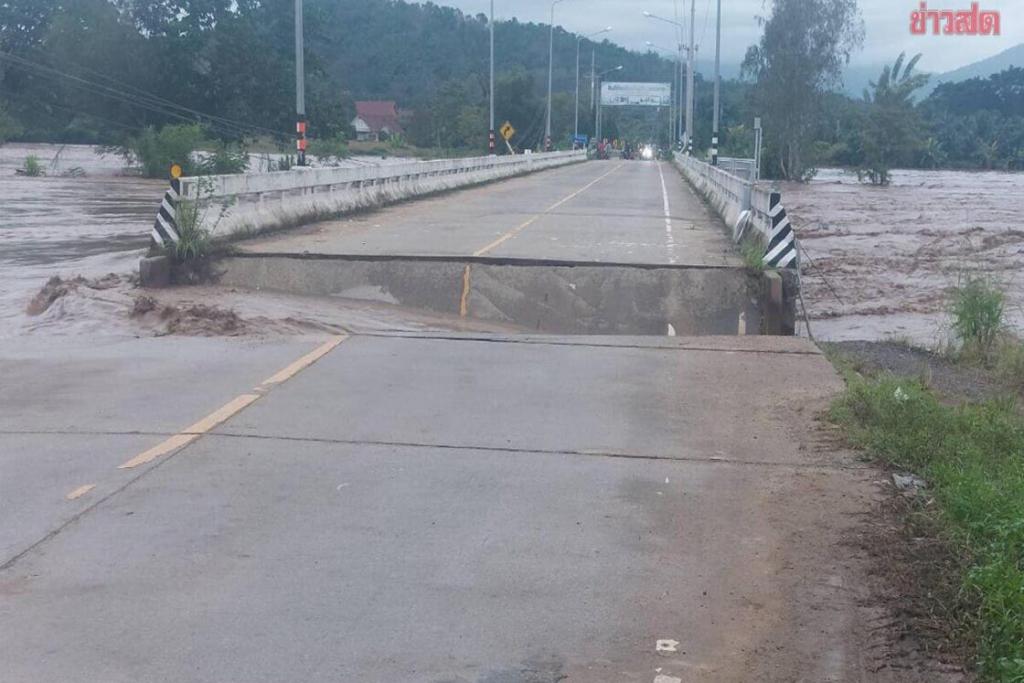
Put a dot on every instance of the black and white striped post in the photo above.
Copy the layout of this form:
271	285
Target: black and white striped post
781	251
165	228
714	149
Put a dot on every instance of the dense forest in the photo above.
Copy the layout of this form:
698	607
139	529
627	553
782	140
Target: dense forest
99	71
93	70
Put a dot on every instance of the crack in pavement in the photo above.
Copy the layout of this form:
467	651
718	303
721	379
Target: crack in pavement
714	460
707	460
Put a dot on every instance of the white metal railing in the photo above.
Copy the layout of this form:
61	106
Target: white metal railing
310	180
258	201
736	197
741	168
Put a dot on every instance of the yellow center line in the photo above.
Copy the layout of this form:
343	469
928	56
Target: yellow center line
302	363
229	409
464	301
80	491
522	226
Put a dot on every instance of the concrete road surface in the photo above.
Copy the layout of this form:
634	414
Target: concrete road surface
611	211
436	508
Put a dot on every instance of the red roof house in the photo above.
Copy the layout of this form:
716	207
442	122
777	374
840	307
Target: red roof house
376	120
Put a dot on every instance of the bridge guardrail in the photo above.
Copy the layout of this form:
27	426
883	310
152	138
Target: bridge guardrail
744	205
253	202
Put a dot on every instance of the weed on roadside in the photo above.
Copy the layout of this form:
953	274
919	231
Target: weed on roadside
972	457
977	310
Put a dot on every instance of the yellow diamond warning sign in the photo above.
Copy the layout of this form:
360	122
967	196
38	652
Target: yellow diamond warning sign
507	131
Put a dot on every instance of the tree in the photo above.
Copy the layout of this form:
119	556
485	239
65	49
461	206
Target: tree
800	57
893	134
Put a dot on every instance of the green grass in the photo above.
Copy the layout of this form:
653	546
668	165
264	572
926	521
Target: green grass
977	311
194	238
32	166
972	457
752	252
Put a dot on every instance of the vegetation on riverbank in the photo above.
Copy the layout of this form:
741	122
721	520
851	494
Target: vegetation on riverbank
970	453
101	71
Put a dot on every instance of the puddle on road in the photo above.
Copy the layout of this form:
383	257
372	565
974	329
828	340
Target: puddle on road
884	259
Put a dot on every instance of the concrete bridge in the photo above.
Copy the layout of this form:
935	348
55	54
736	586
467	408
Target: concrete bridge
615	247
641	495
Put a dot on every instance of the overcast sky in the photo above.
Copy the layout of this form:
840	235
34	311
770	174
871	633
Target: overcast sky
887	23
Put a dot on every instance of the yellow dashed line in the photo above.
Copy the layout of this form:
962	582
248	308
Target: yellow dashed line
229	409
303	363
464	301
522	226
80	491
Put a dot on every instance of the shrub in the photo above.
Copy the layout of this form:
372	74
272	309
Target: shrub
329	150
32	166
9	128
194	238
225	158
977	311
156	150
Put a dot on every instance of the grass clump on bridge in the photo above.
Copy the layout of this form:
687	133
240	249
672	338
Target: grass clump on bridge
972	458
752	252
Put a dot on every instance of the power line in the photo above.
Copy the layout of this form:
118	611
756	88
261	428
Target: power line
142	99
703	31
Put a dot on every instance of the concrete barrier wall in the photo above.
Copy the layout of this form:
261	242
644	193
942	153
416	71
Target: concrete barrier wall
253	202
729	194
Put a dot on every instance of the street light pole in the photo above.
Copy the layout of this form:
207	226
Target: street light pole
597	116
551	58
689	80
490	130
580	39
593	76
677	89
689	73
300	89
718	78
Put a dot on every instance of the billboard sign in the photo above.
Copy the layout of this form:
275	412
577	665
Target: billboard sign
619	94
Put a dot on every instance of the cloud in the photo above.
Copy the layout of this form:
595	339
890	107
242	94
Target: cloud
887	23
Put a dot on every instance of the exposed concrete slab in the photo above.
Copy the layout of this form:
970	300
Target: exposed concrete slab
287	554
545	296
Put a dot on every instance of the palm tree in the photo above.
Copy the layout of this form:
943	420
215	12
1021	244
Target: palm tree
894	88
893	132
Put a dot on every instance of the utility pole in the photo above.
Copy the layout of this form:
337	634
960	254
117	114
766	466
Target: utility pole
717	105
490	130
576	125
551	58
677	89
689	79
300	89
597	115
576	115
593	76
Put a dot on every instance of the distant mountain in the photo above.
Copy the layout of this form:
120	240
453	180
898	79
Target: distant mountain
1013	56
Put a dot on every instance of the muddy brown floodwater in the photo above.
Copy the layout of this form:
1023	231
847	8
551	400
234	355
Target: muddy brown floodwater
880	262
67	225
